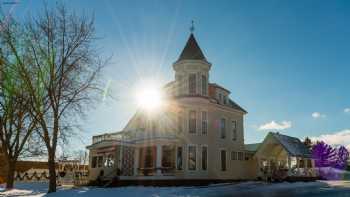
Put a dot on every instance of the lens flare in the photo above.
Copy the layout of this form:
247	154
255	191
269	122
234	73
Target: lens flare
149	97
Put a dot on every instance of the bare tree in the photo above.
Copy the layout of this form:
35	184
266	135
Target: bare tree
62	79
16	123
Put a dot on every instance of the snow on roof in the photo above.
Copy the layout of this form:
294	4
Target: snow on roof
293	145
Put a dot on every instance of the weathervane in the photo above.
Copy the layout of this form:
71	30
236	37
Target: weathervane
192	27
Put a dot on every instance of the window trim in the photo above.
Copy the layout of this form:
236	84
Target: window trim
189	121
238	152
226	166
207	160
195	84
234	131
100	165
182	159
180	122
236	155
204	86
206	121
188	157
223	129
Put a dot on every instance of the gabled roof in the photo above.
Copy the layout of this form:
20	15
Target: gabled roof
192	50
292	145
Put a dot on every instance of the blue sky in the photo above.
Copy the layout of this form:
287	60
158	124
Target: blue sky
282	60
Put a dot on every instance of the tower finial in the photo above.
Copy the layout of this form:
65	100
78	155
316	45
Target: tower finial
192	27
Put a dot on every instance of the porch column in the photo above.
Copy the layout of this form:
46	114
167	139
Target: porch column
159	159
136	161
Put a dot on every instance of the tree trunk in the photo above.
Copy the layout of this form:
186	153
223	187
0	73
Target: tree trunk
52	172
10	177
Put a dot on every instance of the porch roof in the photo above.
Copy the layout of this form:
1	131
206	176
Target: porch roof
130	138
292	145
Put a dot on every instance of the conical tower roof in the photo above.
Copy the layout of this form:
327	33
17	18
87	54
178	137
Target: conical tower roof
192	51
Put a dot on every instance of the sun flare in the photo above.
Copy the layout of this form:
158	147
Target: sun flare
149	97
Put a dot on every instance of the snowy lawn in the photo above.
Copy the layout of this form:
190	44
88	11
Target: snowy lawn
319	188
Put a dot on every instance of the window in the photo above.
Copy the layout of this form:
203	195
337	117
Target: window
223	160
192	157
192	122
109	161
223	128
204	85
234	130
168	156
204	123
309	163
149	159
179	122
94	162
225	99
233	155
220	98
192	83
99	161
240	156
179	158
204	157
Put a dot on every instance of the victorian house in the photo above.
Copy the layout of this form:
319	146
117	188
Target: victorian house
198	134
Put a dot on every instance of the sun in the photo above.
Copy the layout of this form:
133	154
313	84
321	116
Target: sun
149	97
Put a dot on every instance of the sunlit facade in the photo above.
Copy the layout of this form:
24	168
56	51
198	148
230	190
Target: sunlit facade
197	133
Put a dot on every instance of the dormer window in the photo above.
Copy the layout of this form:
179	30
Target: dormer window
192	84
225	99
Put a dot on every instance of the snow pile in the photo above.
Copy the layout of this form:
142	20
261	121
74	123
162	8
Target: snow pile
25	189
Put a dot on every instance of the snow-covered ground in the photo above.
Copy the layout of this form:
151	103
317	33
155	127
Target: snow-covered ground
319	188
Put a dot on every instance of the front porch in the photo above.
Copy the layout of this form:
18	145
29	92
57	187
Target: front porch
154	161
